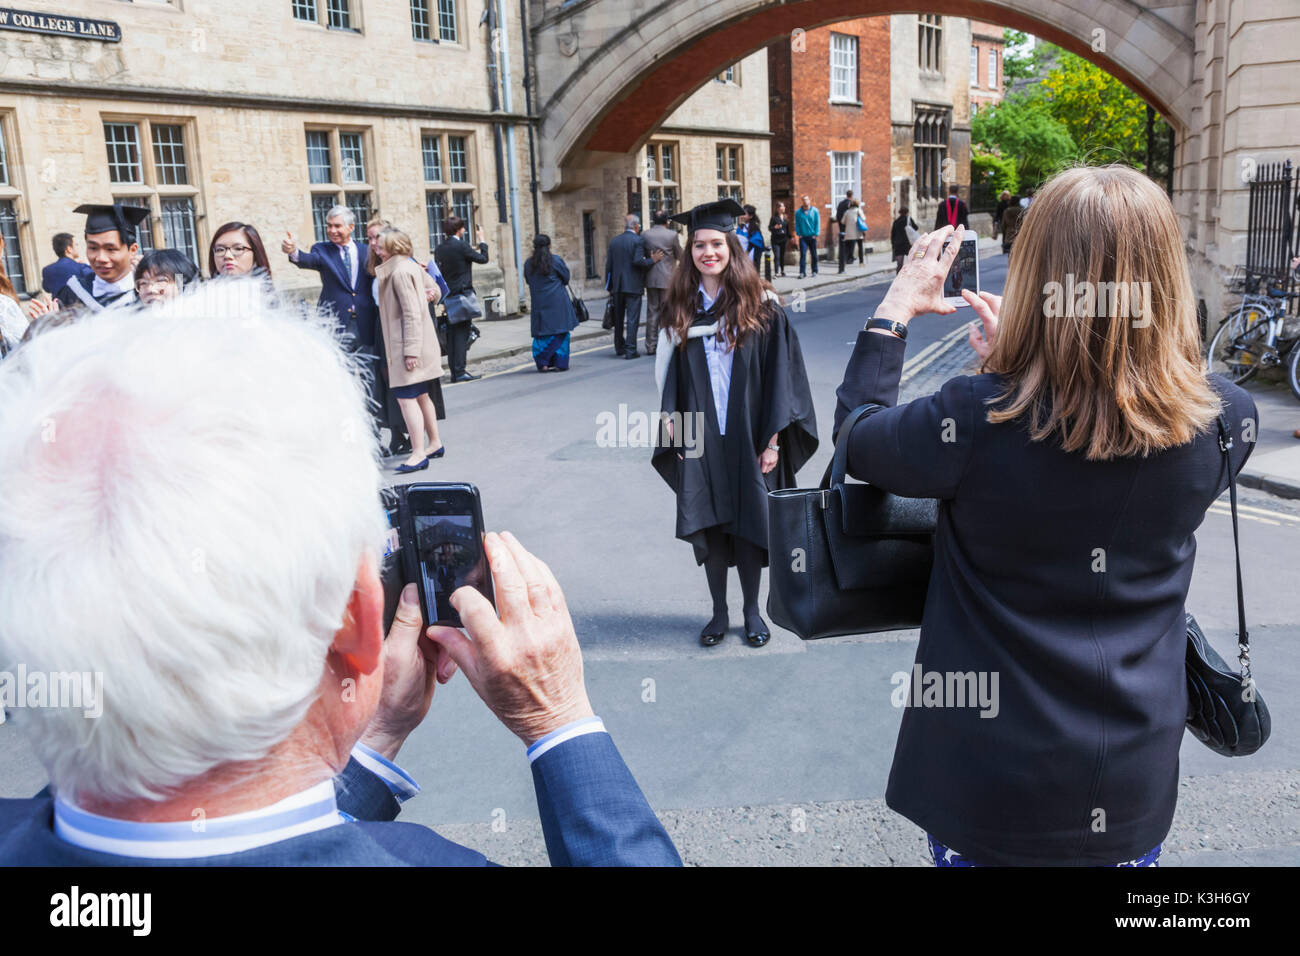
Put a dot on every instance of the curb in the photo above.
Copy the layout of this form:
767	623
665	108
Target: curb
1273	484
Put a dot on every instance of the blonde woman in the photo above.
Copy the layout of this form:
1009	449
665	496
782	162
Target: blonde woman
411	344
1070	477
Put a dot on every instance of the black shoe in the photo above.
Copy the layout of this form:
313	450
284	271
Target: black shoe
401	448
714	631
756	632
631	355
465	377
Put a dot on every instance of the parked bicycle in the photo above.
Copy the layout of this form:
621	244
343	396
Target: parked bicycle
1257	334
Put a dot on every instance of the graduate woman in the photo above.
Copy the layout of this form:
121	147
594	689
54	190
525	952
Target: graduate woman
728	361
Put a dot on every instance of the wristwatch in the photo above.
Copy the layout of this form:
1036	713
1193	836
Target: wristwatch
889	325
774	447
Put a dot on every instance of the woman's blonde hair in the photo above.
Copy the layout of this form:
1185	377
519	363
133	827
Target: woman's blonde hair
396	242
1097	335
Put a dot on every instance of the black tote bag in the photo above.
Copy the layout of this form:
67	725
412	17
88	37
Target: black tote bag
848	558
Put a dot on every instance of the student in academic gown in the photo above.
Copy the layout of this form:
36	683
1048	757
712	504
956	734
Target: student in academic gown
108	276
740	374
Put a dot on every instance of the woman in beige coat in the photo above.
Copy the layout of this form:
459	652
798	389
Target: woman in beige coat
411	343
850	233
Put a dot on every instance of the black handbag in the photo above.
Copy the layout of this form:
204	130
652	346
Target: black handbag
579	308
607	322
848	558
1224	708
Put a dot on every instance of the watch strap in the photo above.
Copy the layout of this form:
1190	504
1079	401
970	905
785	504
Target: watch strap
889	325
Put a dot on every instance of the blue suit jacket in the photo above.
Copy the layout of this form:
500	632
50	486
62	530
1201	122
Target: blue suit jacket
355	307
55	275
592	812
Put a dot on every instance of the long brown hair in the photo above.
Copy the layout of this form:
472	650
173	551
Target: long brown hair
741	298
1106	380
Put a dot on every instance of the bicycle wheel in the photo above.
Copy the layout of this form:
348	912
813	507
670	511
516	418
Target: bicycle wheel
1240	343
1293	370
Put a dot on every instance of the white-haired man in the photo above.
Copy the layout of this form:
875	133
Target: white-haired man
217	570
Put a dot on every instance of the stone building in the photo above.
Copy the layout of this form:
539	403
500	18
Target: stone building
714	145
269	116
929	110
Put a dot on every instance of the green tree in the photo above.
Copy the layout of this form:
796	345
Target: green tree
995	172
1018	62
1106	120
1023	126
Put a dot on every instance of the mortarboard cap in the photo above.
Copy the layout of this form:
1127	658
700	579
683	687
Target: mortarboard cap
720	215
118	217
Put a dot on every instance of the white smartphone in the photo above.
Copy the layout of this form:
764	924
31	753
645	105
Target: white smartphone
965	271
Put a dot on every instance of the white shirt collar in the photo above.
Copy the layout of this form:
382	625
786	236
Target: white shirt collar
304	812
125	284
706	299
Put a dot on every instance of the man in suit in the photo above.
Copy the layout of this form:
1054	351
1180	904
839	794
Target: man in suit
663	239
840	210
65	264
455	258
265	701
952	211
625	267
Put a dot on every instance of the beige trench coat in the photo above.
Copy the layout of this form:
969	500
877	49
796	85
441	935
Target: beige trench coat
407	327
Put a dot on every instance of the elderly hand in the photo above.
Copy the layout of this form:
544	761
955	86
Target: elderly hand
288	245
411	664
411	362
526	664
918	287
986	306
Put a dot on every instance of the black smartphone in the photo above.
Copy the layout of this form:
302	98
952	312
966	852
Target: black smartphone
436	540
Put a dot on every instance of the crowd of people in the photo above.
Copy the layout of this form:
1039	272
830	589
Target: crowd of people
264	690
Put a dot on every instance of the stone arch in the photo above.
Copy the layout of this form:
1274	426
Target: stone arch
610	71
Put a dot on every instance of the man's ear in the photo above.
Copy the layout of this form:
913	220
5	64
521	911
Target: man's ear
360	641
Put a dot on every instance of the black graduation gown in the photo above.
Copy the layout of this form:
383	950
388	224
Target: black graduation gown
724	487
86	277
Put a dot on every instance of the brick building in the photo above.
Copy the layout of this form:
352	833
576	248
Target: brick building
985	65
829	113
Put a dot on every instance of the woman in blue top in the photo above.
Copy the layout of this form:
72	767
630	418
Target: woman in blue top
552	311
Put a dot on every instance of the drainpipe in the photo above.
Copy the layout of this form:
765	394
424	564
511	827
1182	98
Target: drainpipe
528	106
512	165
495	103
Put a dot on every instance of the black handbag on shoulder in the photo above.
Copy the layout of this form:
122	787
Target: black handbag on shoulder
1224	708
848	558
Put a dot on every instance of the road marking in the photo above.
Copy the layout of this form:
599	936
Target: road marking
933	352
1219	509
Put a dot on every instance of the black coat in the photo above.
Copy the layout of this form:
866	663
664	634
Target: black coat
769	395
941	216
626	264
1092	696
455	258
898	240
552	312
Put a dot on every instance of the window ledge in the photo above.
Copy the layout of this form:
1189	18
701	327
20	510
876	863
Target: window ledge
838	102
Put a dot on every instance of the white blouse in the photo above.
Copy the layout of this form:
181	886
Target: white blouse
718	352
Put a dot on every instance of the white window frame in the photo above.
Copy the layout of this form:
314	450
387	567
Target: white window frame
149	192
852	162
844	68
993	68
975	67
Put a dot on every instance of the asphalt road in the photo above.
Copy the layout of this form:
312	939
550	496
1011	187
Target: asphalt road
778	754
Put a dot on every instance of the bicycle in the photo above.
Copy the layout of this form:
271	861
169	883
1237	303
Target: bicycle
1256	334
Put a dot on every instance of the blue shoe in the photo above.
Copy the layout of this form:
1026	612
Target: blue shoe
407	469
437	454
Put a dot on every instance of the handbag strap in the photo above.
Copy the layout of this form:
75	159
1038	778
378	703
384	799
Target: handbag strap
1243	637
839	463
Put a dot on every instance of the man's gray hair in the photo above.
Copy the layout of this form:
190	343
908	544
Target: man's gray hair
632	219
341	212
163	525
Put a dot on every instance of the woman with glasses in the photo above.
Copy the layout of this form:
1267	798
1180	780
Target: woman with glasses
237	250
163	274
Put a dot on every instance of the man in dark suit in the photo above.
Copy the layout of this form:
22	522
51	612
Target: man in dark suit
952	211
455	258
625	267
266	705
663	239
345	290
65	265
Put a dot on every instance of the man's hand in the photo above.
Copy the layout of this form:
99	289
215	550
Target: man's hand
986	306
526	665
411	664
289	245
656	254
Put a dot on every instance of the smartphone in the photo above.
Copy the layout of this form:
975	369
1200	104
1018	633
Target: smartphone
436	540
965	271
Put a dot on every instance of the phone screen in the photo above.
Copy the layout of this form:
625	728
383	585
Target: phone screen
964	273
447	525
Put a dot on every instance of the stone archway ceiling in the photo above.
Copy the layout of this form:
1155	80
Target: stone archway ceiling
650	98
